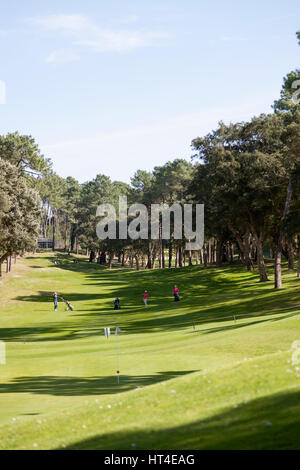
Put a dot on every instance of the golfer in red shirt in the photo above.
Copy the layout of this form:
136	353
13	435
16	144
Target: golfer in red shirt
145	297
176	294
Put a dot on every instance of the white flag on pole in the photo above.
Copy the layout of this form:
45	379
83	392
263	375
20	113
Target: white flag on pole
107	332
118	330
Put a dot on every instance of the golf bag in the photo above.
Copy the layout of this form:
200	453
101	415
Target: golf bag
69	306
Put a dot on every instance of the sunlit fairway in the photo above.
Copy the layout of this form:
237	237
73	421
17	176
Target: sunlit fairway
191	376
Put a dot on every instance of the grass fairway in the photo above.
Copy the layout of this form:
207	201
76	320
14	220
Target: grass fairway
191	377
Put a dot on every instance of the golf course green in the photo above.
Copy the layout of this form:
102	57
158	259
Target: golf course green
214	371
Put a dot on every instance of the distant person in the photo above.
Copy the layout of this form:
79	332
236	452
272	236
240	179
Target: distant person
176	294
145	296
117	304
55	300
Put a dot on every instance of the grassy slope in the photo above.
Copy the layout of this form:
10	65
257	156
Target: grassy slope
191	378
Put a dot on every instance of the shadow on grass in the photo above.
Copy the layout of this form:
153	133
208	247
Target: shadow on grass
55	332
265	423
208	295
64	332
77	386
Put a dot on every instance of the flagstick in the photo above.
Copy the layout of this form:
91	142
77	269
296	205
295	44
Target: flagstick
117	346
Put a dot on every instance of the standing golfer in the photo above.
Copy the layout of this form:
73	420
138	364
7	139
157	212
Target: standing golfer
145	296
55	301
176	294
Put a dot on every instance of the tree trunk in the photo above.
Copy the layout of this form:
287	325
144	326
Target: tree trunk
231	253
278	254
180	256
209	252
110	260
160	258
290	256
149	254
163	254
298	264
170	253
154	253
53	233
149	264
205	255
66	234
72	237
260	260
190	258
102	258
247	252
244	247
3	258
219	253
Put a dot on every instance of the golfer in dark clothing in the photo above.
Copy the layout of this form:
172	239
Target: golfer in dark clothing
117	303
55	301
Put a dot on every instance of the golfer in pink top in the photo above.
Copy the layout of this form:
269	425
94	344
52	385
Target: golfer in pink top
176	294
145	296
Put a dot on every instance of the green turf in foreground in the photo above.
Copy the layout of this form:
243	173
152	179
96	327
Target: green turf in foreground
191	377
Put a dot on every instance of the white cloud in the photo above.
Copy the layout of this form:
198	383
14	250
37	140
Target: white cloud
83	32
62	56
63	23
120	41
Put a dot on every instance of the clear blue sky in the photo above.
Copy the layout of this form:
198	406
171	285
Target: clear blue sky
110	87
